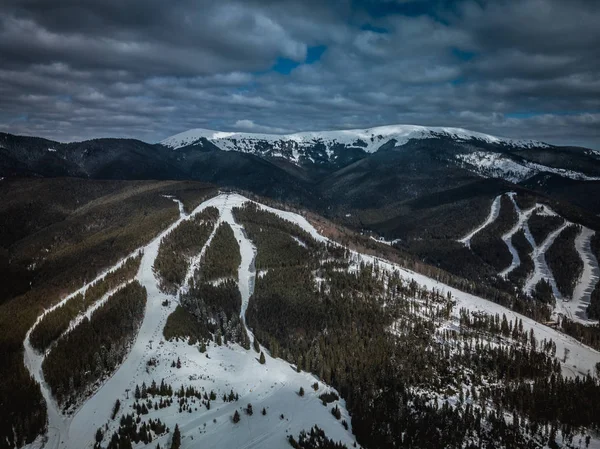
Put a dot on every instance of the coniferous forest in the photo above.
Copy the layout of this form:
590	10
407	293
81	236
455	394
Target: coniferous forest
56	322
406	384
96	347
222	257
564	261
520	274
176	248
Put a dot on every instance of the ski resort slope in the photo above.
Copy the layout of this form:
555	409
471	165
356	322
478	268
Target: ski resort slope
521	223
493	215
575	309
272	386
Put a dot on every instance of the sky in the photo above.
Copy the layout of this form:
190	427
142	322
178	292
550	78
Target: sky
147	69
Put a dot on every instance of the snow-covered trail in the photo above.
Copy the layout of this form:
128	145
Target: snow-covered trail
494	212
575	309
272	386
94	412
522	223
179	204
541	269
247	270
57	422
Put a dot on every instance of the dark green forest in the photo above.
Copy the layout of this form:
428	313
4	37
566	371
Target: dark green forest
56	235
182	243
96	347
55	323
541	225
488	243
564	261
222	257
520	274
337	328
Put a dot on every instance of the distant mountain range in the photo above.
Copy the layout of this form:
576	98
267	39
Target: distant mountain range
340	171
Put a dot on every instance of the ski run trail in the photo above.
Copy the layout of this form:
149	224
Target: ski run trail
574	308
273	385
494	212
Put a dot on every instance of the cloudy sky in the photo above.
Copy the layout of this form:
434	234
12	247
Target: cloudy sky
76	69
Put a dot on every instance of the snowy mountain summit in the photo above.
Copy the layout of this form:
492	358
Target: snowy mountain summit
318	145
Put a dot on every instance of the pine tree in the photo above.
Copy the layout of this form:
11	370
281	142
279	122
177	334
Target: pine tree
176	441
138	395
236	417
262	359
301	392
256	345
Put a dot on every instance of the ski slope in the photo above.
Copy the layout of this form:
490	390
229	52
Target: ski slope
230	367
581	359
273	385
493	215
575	309
523	217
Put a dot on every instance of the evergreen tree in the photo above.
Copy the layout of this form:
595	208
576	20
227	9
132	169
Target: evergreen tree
236	417
176	440
262	359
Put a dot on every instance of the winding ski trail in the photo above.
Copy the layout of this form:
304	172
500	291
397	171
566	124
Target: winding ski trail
493	215
522	223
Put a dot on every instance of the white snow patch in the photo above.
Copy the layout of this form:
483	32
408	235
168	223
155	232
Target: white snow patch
496	165
370	139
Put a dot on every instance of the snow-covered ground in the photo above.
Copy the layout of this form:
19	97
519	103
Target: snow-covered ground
493	215
370	139
497	165
523	217
581	359
575	309
272	386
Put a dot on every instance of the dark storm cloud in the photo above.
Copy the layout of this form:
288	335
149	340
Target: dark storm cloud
150	68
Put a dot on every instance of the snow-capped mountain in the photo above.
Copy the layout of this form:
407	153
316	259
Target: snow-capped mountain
313	145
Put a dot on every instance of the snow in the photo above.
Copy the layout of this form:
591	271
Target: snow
493	215
52	150
272	385
179	203
386	242
223	368
581	359
575	309
507	238
541	269
496	165
370	139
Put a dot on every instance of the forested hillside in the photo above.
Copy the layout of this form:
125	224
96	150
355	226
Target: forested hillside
57	233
